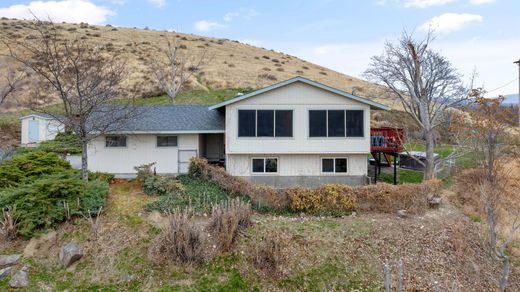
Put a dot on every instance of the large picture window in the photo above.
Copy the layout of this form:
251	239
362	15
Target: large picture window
265	123
334	165
264	165
336	123
115	141
166	141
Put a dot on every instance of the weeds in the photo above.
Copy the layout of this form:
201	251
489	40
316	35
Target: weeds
9	223
228	220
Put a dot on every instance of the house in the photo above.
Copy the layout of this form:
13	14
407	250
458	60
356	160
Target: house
296	132
39	127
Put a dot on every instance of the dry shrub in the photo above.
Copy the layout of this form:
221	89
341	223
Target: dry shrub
228	220
181	240
267	253
389	198
334	198
9	223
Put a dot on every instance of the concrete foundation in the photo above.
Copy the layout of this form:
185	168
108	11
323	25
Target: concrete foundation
307	181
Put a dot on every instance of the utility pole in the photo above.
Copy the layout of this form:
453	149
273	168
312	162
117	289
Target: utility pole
518	63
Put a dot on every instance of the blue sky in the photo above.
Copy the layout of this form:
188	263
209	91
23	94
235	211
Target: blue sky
341	35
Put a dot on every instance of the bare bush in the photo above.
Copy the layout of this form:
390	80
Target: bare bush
9	223
267	253
181	240
228	220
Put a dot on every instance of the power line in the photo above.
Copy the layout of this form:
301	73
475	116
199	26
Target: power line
508	83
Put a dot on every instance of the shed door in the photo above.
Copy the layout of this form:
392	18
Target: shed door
34	131
184	159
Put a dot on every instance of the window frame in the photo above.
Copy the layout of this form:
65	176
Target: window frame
264	158
167	146
346	136
274	123
114	135
334	165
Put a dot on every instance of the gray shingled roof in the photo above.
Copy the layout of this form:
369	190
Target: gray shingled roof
175	118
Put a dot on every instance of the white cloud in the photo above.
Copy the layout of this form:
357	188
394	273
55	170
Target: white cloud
158	3
66	10
449	22
245	13
480	2
425	3
205	25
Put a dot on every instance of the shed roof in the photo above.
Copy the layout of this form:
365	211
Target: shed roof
39	115
373	104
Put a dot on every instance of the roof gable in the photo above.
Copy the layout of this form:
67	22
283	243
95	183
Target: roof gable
372	104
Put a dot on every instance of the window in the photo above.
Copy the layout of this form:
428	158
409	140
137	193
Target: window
247	123
115	141
317	123
355	123
334	165
166	141
265	123
336	123
264	165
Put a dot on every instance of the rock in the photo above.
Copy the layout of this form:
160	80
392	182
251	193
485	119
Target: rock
9	260
5	272
402	213
434	202
69	254
353	214
19	280
42	243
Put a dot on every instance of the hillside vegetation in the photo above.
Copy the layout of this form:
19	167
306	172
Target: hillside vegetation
231	64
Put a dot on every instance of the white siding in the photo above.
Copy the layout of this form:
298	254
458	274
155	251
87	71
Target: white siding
300	98
141	149
48	129
296	164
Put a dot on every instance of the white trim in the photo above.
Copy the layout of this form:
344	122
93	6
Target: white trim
373	104
165	132
264	158
334	166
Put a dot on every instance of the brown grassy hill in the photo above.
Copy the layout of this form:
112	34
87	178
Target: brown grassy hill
232	64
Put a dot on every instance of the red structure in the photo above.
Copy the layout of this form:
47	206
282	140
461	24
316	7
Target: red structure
385	143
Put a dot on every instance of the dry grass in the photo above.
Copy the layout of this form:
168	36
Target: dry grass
137	46
228	220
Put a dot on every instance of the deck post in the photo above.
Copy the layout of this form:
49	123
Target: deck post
395	169
375	169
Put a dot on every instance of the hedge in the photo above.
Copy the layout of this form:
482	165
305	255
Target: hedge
328	198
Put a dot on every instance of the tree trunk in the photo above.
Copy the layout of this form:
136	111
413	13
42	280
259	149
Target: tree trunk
84	161
429	169
505	273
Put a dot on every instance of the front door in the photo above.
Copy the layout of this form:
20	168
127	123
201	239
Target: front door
184	159
34	131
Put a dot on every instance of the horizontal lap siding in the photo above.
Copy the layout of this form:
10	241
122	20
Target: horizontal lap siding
141	149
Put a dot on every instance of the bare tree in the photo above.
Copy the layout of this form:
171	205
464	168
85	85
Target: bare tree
173	74
77	73
11	84
424	81
492	140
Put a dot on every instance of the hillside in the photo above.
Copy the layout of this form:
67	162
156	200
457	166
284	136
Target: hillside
232	64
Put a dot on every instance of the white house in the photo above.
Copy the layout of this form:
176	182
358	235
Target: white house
296	132
39	127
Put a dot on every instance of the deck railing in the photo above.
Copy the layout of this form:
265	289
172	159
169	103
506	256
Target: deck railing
386	139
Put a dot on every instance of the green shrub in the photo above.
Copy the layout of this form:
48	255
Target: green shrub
27	166
101	176
40	204
197	193
161	185
63	143
144	171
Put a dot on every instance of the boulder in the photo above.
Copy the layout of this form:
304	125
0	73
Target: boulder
9	260
434	202
42	243
20	279
5	272
69	254
402	214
